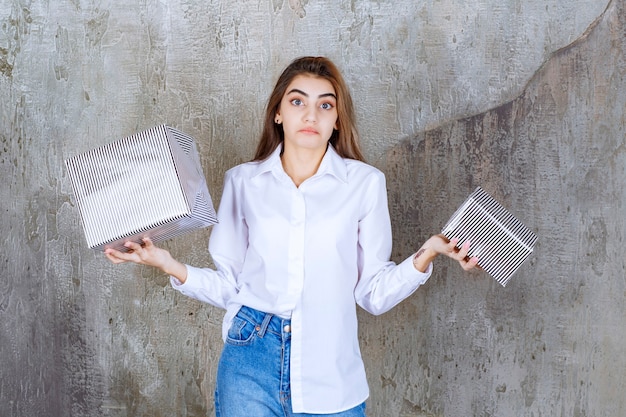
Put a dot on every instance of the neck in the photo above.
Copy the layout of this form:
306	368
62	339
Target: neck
301	164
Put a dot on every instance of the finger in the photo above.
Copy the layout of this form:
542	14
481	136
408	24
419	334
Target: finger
470	264
455	252
129	256
148	246
450	249
113	256
464	250
133	246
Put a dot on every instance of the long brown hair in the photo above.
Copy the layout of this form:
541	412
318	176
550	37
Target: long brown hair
345	138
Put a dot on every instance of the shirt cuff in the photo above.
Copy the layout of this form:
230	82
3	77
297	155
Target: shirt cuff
412	274
175	282
191	274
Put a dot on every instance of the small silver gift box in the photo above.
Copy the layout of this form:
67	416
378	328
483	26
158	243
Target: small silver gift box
149	184
499	240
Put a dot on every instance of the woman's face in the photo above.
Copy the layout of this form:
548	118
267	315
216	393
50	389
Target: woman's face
308	112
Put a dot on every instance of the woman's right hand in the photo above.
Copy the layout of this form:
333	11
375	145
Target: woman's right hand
149	254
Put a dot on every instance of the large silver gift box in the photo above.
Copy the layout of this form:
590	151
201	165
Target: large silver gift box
149	184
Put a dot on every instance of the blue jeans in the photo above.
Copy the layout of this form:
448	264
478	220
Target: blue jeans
253	372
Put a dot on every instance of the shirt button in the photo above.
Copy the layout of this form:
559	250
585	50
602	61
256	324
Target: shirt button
287	329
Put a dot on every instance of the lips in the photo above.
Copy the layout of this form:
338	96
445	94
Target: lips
309	131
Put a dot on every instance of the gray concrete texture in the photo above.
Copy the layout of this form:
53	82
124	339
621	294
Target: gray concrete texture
524	98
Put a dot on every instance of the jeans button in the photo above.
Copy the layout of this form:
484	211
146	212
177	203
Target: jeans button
287	328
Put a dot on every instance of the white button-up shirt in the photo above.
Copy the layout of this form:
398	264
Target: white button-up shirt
307	253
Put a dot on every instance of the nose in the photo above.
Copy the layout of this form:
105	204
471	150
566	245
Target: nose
310	115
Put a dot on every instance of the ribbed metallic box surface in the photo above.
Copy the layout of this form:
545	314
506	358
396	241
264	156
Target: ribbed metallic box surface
498	239
149	184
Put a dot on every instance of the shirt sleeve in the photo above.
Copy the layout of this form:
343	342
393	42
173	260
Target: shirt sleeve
227	245
382	284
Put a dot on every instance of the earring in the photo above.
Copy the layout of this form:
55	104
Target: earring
277	121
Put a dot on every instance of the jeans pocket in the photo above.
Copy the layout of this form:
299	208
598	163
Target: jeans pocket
241	332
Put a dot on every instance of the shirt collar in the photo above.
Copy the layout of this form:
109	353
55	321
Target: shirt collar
271	163
332	164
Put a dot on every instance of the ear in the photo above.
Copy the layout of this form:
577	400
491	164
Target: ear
277	118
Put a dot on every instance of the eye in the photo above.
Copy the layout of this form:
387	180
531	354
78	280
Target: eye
297	102
327	106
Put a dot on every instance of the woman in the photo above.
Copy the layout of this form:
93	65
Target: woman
303	234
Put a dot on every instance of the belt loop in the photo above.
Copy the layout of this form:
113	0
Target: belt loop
265	324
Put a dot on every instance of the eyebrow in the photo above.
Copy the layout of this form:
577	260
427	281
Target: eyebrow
295	90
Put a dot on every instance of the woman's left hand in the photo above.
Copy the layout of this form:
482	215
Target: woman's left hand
440	245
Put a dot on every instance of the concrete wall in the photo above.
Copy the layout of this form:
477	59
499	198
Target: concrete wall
524	98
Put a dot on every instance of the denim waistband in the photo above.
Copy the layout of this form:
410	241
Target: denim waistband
265	322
